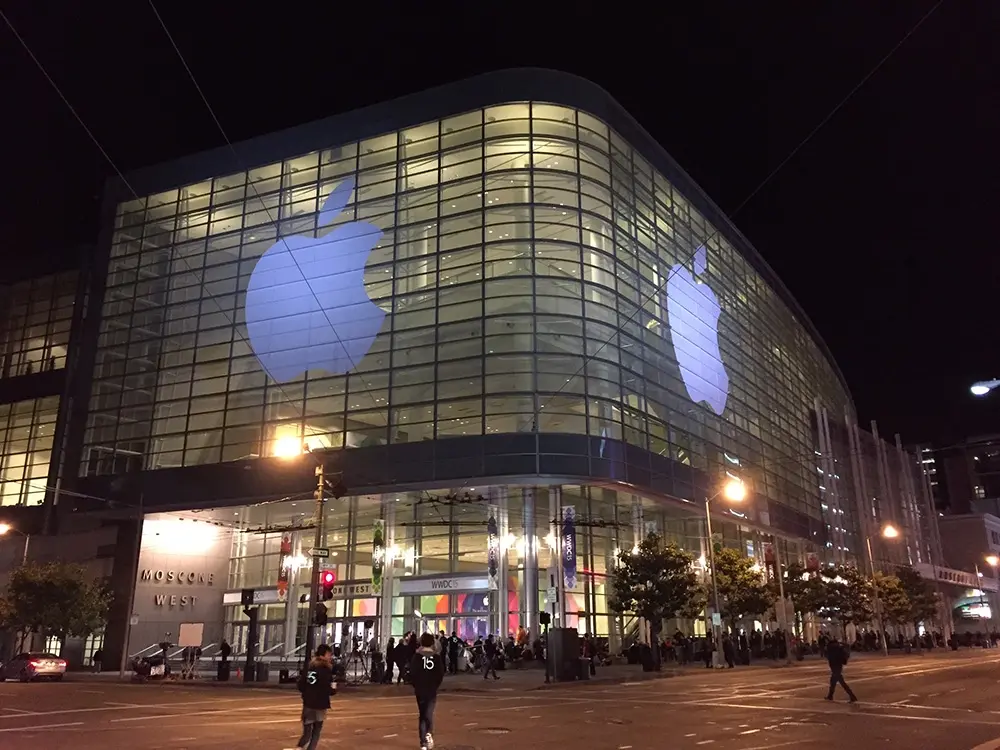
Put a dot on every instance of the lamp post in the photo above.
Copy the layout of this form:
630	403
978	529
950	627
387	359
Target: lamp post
734	491
888	532
6	528
292	449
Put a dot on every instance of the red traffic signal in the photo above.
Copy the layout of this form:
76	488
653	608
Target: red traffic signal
326	580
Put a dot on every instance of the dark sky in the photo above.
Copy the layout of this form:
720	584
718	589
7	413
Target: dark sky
881	225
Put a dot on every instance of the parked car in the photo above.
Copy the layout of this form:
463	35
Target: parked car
33	666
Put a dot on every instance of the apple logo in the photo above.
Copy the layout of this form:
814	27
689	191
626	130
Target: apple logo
306	306
693	314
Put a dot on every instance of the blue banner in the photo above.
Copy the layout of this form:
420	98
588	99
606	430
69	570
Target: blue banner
569	547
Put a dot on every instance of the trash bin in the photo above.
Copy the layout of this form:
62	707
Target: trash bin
584	669
222	674
263	671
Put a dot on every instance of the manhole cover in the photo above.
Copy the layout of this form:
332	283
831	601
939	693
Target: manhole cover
619	721
495	730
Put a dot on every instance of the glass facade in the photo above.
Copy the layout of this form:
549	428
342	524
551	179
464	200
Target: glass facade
524	254
36	319
432	538
27	429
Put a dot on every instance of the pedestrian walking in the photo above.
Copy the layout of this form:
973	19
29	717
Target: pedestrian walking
390	661
490	660
316	684
96	660
709	648
837	656
426	674
453	649
729	651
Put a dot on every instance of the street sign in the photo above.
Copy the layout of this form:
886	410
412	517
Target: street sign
552	596
716	619
319	552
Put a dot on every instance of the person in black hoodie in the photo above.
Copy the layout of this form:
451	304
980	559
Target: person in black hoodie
837	655
316	685
426	675
390	661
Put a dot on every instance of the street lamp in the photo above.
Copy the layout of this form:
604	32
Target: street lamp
887	532
291	448
982	387
6	528
734	491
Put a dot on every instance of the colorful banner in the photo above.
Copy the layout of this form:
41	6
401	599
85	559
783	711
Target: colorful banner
569	547
378	555
493	550
284	568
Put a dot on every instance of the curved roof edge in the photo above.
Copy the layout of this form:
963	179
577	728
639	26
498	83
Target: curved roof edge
514	84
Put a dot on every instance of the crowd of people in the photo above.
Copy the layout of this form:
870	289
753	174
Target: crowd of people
483	655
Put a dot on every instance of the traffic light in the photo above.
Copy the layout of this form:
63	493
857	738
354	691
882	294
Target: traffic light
319	613
327	579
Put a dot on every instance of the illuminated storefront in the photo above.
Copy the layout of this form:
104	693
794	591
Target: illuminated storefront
485	305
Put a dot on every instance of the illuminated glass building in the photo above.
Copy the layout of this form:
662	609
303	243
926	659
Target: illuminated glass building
36	317
544	283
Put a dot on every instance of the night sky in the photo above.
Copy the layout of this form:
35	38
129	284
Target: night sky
881	225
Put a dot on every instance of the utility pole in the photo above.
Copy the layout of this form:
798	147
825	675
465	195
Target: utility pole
318	542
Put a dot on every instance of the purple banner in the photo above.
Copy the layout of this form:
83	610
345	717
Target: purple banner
569	547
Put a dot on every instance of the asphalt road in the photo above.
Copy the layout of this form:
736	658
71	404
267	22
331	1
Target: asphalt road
938	701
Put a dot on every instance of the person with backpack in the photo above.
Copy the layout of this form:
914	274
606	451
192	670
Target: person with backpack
316	684
491	654
426	675
837	656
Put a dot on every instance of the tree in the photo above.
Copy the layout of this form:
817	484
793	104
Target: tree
807	591
54	599
893	598
844	594
920	592
743	592
655	582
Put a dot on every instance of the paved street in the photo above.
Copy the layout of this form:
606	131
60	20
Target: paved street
946	701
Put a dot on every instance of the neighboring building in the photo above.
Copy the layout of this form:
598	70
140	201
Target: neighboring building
36	319
40	323
970	541
965	475
503	347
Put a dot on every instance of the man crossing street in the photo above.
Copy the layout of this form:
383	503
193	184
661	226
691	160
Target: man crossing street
837	656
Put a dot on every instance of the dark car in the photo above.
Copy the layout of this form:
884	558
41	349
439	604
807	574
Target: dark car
34	666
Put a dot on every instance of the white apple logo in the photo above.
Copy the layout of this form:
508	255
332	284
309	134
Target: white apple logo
693	314
306	305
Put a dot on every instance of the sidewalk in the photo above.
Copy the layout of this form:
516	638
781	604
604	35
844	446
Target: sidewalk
511	680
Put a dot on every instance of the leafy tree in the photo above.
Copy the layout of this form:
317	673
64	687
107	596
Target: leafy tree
743	592
655	582
807	591
921	594
844	594
893	598
54	599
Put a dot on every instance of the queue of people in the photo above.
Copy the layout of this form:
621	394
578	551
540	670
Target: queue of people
483	655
